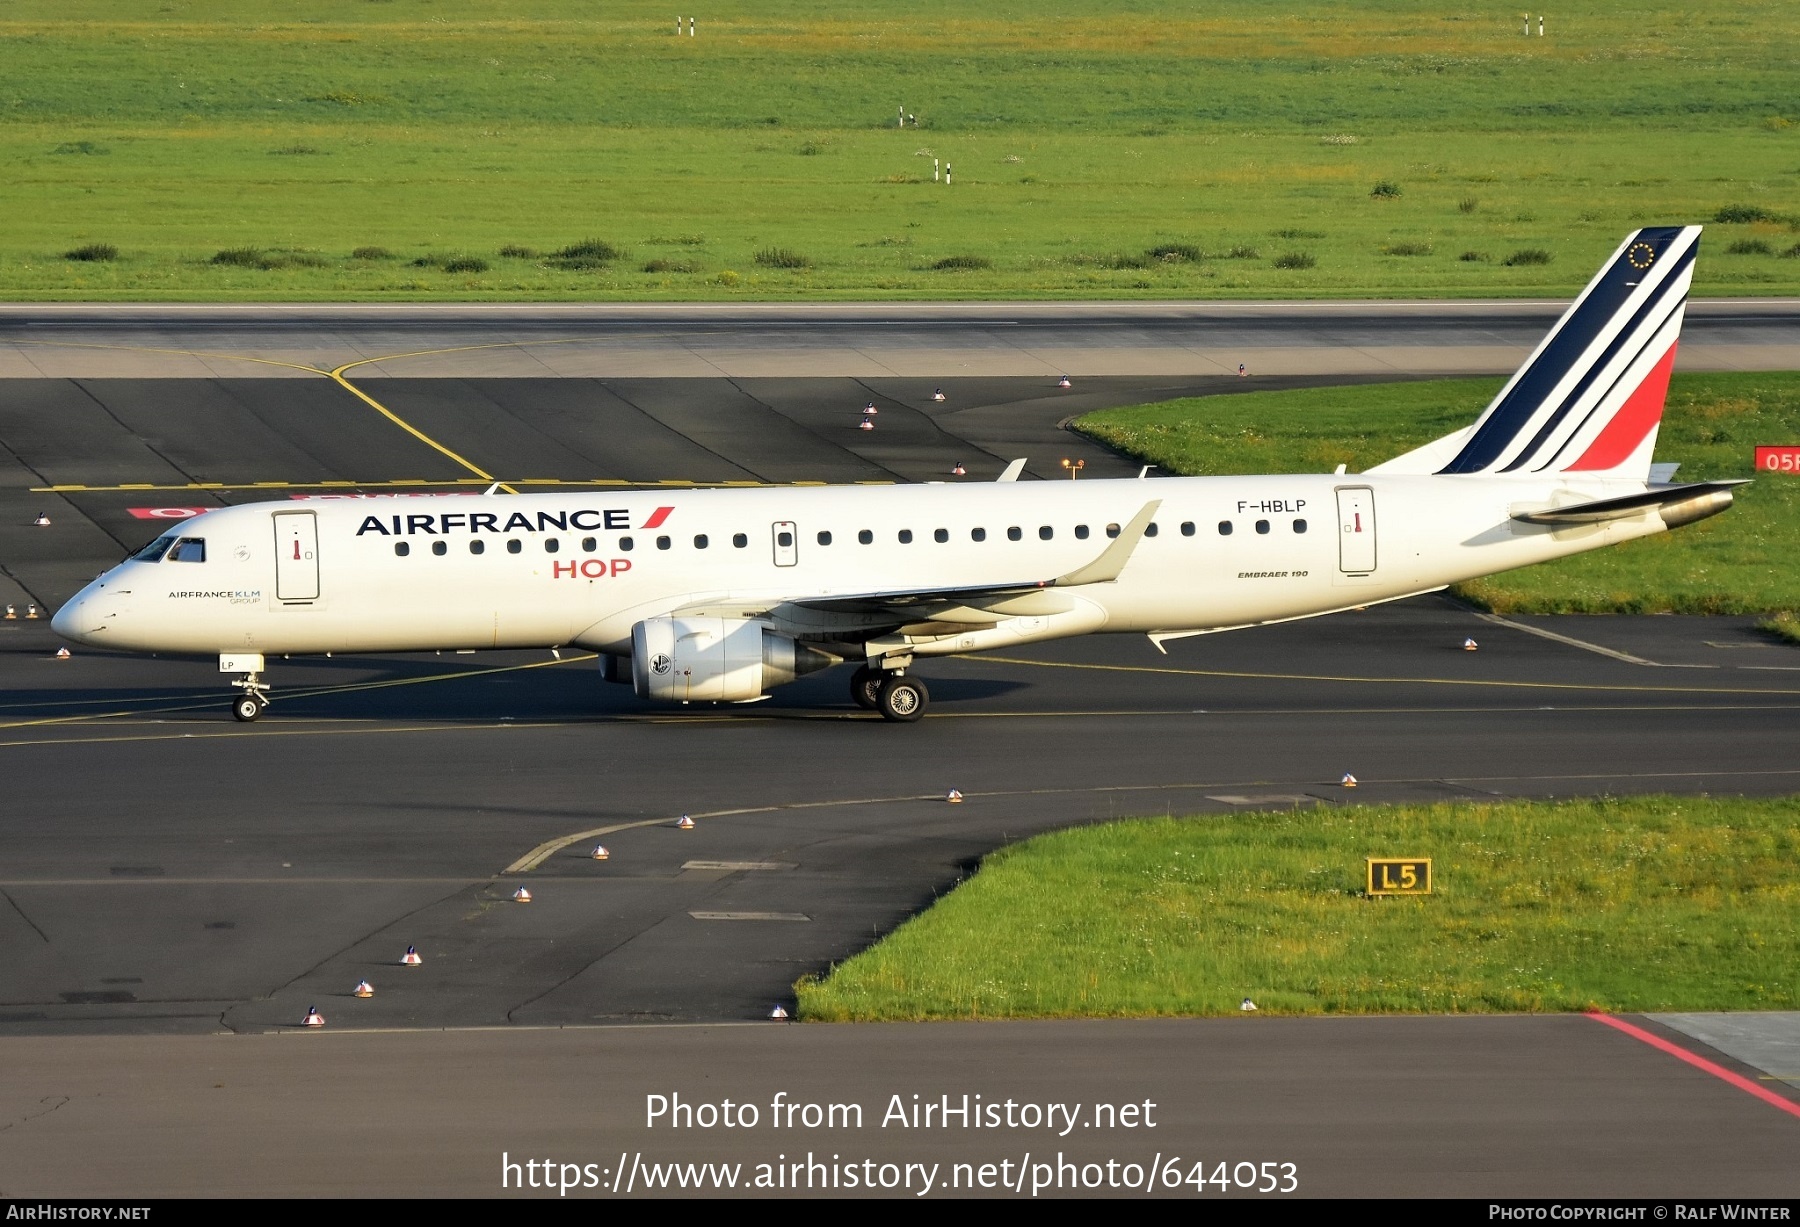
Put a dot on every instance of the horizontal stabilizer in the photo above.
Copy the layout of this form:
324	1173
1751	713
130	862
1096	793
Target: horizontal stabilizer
1677	504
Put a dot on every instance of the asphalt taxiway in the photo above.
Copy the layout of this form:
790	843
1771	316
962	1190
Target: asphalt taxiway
170	877
1495	1107
835	340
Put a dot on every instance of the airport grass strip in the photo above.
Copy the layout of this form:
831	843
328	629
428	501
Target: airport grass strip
559	150
1654	903
1737	563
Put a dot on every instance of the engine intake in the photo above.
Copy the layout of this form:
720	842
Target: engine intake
729	660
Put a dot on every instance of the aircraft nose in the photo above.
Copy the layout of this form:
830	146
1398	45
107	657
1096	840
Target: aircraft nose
65	620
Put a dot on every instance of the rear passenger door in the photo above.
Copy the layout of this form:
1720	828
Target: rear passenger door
1356	530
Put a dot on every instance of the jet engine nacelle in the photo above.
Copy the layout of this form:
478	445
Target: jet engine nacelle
728	660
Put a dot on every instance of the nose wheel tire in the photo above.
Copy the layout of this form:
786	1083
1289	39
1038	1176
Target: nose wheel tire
902	699
247	708
865	687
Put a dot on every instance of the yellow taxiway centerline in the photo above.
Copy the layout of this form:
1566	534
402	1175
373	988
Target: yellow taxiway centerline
1414	681
315	692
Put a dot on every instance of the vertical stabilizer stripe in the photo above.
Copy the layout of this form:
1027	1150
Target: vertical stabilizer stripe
1574	336
1636	418
1638	334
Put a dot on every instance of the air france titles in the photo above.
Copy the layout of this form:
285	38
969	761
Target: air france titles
448	523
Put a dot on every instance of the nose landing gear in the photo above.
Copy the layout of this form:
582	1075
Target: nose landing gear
249	705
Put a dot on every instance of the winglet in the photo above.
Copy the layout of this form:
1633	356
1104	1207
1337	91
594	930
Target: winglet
1012	471
1112	560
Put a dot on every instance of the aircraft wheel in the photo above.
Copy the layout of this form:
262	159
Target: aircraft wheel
903	699
865	687
247	708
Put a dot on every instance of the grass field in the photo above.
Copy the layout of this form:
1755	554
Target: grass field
1739	562
1098	150
1654	903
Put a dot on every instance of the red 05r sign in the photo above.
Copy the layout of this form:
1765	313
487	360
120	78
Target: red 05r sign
1782	458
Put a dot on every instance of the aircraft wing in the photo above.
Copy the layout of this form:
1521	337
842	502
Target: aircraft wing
1103	569
961	602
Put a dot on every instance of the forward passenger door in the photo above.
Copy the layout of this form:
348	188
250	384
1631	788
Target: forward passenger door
296	556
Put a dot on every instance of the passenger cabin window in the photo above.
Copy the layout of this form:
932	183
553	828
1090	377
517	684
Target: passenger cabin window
1299	526
825	538
154	551
941	535
551	545
514	546
978	534
625	545
189	549
1224	528
783	538
1113	530
740	540
1015	534
1150	529
1187	528
589	544
1081	532
906	536
440	548
401	549
1262	526
699	541
1046	532
663	543
865	536
477	546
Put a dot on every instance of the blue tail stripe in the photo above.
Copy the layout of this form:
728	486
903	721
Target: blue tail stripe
1654	303
1577	333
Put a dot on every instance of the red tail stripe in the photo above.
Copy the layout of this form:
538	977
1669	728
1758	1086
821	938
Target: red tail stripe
657	517
1635	419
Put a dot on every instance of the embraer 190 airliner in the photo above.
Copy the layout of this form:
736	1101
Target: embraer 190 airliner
720	595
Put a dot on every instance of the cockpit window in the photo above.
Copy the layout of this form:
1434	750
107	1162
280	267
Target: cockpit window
189	549
154	551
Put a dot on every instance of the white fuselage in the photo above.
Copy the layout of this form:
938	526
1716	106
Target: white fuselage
582	569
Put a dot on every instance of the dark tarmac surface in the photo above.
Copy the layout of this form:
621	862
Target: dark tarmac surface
171	871
168	875
1555	1106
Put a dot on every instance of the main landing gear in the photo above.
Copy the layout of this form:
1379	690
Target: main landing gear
896	696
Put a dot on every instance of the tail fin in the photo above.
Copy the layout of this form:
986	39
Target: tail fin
1590	397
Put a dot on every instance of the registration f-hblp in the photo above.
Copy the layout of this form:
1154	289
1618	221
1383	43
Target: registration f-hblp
720	595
